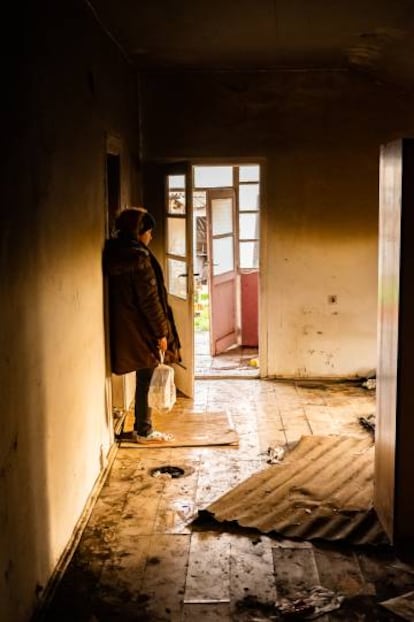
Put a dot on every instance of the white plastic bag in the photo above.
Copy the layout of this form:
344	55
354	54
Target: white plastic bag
162	392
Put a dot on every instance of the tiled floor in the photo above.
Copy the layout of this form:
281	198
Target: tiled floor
141	556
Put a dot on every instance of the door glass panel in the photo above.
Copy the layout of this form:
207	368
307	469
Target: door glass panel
248	226
249	173
249	197
249	254
176	202
213	176
223	256
222	216
177	279
176	236
176	181
199	199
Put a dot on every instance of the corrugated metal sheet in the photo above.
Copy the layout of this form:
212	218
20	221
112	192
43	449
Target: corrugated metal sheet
322	490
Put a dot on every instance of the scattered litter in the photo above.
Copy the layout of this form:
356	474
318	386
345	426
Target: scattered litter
368	423
254	362
276	454
310	604
370	384
402	606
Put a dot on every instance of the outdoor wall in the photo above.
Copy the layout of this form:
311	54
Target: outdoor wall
319	133
67	85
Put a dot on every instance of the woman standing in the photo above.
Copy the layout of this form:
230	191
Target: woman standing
141	322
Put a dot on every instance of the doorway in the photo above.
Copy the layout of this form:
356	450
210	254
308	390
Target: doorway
226	225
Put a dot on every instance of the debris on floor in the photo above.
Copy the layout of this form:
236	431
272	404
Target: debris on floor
323	490
275	454
311	604
369	381
402	606
368	423
370	384
167	472
307	605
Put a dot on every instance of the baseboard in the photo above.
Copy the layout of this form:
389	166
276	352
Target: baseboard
61	566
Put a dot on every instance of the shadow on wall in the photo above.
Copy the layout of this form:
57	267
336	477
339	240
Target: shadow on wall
26	558
24	510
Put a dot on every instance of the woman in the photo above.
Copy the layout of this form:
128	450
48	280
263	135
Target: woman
141	322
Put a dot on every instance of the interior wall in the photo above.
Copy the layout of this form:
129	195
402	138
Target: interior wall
68	86
319	133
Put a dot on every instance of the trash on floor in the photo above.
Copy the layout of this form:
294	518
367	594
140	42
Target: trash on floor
276	454
310	604
402	606
370	384
307	605
368	423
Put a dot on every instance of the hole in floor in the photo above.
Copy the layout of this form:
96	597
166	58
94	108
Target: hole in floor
172	471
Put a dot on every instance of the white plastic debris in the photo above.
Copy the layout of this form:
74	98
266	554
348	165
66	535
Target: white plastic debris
161	475
370	384
276	455
311	604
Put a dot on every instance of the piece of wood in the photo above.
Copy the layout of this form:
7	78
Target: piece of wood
190	429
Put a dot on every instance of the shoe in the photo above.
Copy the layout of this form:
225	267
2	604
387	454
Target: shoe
154	437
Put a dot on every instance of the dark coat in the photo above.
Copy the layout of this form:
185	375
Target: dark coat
139	313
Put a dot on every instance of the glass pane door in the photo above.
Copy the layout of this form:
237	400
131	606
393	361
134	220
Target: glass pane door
179	266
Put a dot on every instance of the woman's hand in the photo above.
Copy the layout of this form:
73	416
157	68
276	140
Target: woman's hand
162	344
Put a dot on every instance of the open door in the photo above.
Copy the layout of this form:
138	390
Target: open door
178	265
222	269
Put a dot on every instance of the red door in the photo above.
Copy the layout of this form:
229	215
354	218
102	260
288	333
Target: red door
222	269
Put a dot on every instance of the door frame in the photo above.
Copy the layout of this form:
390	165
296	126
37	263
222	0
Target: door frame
263	313
154	207
155	191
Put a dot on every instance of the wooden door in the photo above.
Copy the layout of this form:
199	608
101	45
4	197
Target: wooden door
178	265
222	269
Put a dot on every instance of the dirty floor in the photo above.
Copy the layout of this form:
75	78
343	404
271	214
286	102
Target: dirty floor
238	361
141	557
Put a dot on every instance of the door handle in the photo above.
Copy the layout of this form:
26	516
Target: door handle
186	274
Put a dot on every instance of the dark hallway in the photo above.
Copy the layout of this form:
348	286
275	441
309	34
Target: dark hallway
100	99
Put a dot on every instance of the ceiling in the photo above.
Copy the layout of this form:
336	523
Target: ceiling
375	36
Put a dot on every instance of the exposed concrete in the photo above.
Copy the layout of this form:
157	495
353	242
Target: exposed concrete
320	133
68	85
